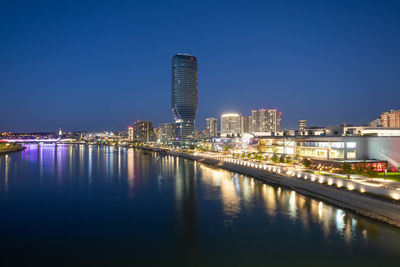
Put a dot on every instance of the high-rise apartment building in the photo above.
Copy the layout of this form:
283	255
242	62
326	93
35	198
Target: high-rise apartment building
167	132
211	127
184	95
391	119
246	124
265	120
259	120
231	124
130	133
143	131
275	118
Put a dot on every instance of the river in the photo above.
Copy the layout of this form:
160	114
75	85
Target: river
77	205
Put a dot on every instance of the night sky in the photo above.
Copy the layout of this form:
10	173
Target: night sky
100	65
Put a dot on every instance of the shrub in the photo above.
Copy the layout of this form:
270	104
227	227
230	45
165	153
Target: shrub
306	163
275	158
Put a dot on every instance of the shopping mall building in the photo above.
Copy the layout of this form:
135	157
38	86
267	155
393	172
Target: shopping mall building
329	151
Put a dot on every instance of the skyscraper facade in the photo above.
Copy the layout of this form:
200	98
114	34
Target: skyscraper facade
184	96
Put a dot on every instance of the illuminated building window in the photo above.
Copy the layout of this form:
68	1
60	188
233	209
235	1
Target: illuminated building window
336	154
351	154
351	144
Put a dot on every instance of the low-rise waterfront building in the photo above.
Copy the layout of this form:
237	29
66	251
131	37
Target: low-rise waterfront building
366	130
304	130
332	149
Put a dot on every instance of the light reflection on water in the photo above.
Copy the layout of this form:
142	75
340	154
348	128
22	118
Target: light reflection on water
237	190
181	207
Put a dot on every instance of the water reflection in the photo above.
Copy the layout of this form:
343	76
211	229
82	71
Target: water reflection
238	193
269	196
131	174
90	164
186	204
192	204
230	188
4	182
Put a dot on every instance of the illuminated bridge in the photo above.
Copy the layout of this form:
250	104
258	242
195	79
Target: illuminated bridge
24	141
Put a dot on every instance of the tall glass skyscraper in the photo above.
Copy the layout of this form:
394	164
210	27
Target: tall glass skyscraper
184	97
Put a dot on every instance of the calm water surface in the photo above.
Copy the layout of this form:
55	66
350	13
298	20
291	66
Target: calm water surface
76	205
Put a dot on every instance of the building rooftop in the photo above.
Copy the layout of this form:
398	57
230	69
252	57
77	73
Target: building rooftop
230	115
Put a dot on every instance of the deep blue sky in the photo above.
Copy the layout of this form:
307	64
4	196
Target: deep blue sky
93	65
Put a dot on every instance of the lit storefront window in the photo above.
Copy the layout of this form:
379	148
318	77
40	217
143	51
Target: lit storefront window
322	153
322	144
336	154
289	151
337	144
351	154
351	144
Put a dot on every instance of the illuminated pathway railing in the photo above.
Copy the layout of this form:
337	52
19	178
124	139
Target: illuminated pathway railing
351	185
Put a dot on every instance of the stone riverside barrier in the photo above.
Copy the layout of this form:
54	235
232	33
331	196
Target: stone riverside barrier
366	199
362	187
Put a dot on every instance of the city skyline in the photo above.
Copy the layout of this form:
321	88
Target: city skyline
209	133
79	67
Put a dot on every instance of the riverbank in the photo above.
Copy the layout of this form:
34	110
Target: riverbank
374	207
10	149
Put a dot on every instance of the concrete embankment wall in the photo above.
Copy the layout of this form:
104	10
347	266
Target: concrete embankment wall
331	190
